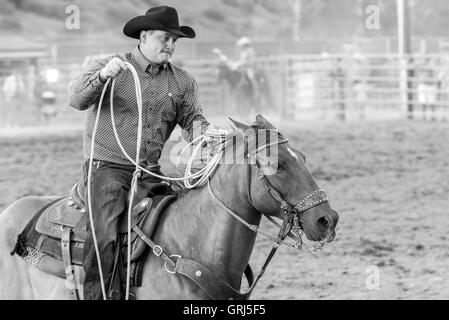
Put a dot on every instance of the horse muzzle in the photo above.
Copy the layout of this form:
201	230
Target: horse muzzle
319	224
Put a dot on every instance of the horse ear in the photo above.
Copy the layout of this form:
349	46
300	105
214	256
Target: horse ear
238	125
266	124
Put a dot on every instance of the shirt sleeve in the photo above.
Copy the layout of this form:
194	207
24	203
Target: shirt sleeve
190	116
85	90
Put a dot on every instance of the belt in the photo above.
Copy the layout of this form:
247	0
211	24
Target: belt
153	167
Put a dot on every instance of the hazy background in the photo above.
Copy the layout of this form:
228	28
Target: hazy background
322	25
320	58
220	19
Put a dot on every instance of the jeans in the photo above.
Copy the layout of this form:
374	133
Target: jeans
110	185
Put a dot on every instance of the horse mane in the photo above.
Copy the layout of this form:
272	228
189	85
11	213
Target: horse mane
181	191
178	186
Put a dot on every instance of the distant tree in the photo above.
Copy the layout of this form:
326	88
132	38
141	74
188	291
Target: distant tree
214	14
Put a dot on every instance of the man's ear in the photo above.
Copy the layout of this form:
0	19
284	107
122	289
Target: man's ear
143	36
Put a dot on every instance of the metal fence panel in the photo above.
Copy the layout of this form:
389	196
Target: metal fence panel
332	87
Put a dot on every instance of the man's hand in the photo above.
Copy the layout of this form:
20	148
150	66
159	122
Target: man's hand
112	69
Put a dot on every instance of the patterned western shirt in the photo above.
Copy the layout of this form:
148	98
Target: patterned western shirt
170	97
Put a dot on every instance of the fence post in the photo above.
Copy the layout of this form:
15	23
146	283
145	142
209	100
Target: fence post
404	49
284	84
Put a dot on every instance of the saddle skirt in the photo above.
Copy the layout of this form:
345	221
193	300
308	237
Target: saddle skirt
68	217
64	214
71	212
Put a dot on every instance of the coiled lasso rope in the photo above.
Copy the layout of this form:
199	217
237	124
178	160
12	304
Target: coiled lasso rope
201	175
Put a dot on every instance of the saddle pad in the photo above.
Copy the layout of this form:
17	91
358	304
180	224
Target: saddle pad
59	215
43	234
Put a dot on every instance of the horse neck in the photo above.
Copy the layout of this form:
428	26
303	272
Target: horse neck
217	239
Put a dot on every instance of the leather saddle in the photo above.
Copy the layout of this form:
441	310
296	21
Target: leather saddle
59	231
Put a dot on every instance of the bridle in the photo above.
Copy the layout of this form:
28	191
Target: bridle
206	279
292	213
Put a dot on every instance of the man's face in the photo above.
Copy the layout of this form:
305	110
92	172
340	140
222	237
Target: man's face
158	46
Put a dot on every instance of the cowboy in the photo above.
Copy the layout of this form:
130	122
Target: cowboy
169	98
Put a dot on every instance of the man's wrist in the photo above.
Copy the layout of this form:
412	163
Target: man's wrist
101	78
96	80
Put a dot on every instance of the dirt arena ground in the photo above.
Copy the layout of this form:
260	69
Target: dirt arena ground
389	182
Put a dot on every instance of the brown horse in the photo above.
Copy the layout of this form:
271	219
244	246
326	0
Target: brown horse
195	226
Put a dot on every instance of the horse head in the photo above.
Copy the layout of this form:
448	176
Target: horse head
284	186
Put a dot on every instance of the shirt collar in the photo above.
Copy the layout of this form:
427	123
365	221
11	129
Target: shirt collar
144	64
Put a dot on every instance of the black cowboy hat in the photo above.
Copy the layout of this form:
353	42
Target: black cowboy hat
158	18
